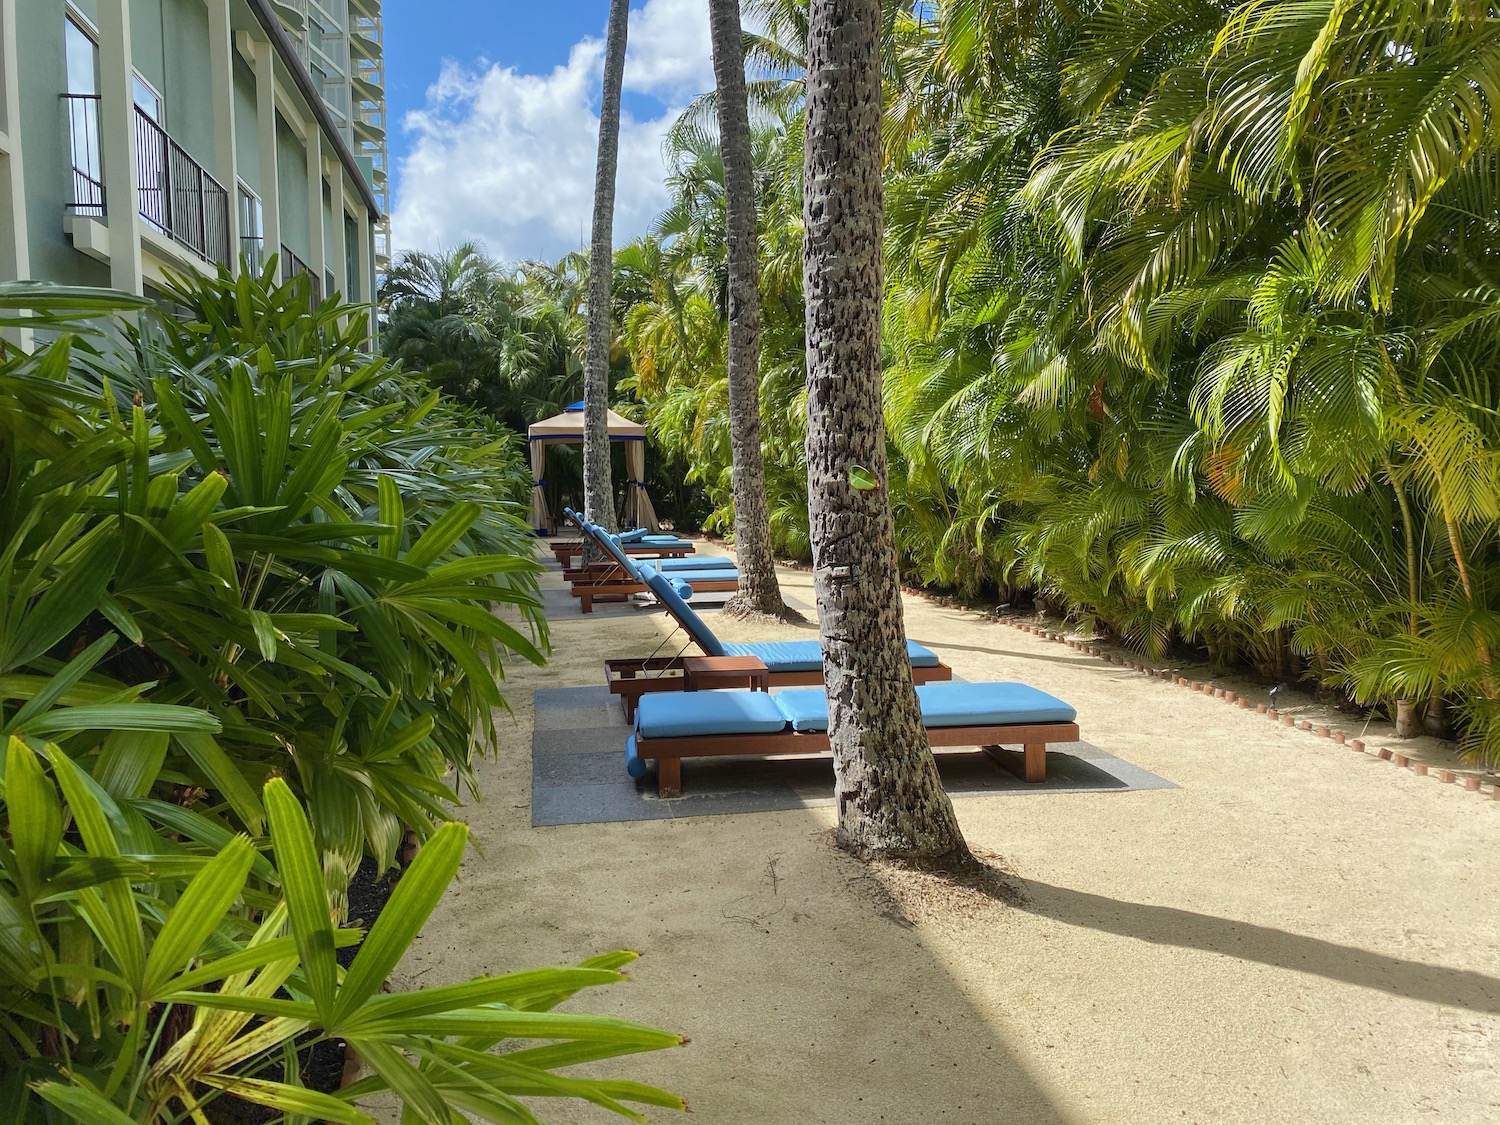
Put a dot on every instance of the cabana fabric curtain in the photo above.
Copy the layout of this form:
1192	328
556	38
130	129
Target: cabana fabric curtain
567	429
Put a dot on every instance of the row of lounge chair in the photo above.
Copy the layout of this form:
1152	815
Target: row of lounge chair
618	576
672	721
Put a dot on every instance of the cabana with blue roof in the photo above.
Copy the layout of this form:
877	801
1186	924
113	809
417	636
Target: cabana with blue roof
567	429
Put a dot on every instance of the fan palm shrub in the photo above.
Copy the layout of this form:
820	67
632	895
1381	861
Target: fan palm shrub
246	638
283	532
143	981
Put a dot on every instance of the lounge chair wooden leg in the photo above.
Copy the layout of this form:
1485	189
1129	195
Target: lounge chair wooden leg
586	602
1031	764
669	777
1036	762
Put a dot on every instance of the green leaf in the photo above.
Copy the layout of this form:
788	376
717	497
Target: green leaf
443	533
71	597
223	775
196	914
121	716
409	907
83	1105
862	479
306	894
247	959
129	762
289	1099
405	1081
36	820
61	683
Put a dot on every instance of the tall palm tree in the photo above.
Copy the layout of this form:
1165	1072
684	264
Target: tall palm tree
890	798
759	592
598	490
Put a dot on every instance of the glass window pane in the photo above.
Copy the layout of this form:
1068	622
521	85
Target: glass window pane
83	59
147	100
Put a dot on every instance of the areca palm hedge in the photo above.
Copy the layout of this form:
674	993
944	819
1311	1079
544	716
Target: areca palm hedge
1192	325
248	638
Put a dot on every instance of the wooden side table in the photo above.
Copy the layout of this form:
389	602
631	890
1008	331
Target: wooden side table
702	673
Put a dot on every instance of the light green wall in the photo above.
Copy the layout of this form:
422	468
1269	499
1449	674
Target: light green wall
246	127
146	52
42	76
291	183
329	258
353	287
188	76
90	9
169	49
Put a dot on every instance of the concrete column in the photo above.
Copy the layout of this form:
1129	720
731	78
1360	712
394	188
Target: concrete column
366	249
15	252
221	64
117	130
340	263
265	126
316	259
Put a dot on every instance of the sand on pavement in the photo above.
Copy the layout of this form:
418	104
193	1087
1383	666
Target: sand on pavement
1298	933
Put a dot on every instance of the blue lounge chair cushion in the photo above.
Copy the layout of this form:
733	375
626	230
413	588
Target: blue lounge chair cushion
632	536
633	764
684	589
628	564
679	714
807	656
696	627
695	576
694	562
943	705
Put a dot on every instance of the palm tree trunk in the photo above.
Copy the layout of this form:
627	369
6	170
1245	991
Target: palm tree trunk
598	489
759	592
889	796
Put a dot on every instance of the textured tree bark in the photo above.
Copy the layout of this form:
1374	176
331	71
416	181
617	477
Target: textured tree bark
889	796
598	488
759	592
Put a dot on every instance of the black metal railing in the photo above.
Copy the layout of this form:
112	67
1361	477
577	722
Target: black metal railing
82	111
180	197
291	266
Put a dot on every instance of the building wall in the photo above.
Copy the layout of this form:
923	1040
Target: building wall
172	48
42	75
291	181
188	74
246	124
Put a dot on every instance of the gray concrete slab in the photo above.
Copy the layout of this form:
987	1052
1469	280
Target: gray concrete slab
578	771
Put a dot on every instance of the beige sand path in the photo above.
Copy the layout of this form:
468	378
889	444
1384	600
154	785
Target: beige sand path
1297	934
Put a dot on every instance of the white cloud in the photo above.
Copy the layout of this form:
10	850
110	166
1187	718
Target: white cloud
508	158
667	51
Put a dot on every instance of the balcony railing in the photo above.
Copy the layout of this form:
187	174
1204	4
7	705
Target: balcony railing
291	266
88	168
178	196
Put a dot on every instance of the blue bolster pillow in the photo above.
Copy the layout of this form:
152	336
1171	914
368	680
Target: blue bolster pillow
634	536
684	589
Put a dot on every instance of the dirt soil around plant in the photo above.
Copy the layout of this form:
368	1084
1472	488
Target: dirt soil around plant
1298	933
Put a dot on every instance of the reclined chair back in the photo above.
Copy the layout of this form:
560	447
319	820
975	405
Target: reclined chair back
607	541
684	614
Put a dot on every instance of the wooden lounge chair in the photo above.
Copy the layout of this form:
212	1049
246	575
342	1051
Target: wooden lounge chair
627	577
645	546
669	728
790	663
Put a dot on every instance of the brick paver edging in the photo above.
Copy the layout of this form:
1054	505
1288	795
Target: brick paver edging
1335	736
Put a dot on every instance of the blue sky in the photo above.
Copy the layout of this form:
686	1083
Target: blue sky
493	117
